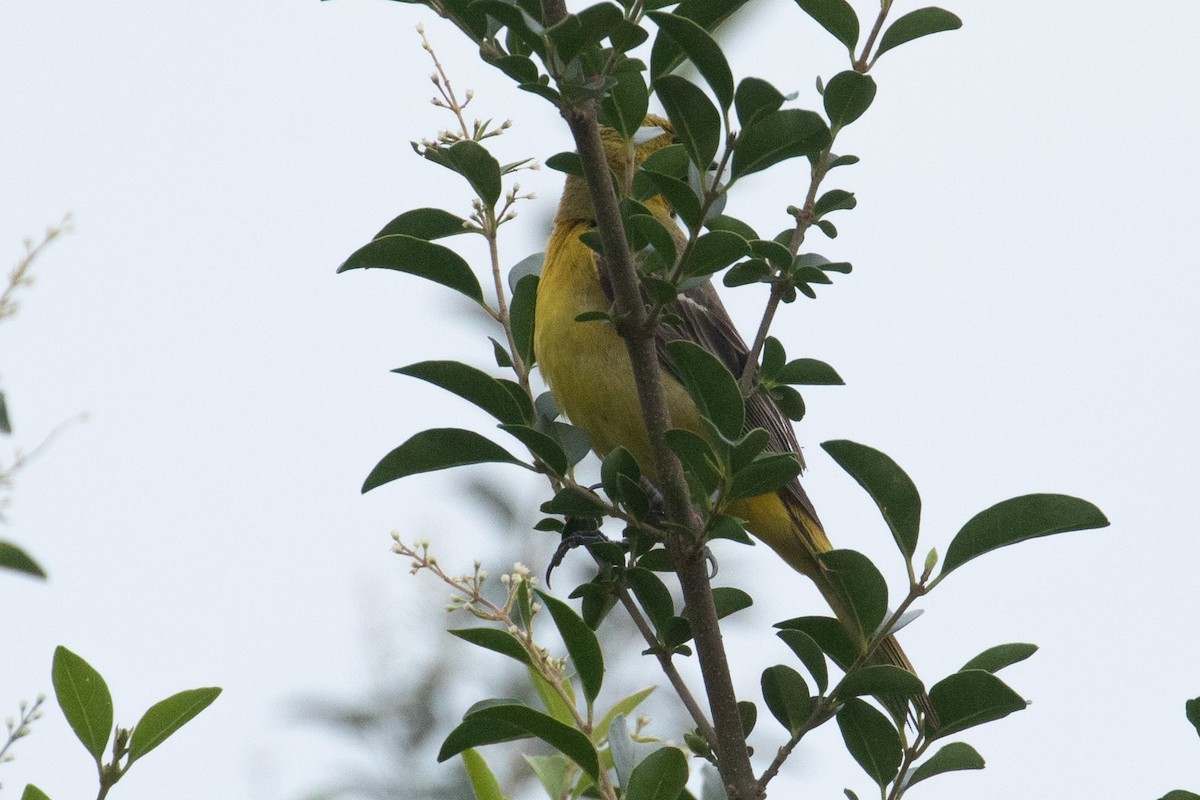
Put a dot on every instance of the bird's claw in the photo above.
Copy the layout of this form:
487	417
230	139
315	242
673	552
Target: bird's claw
570	542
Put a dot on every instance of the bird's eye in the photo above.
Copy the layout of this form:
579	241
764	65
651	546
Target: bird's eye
648	133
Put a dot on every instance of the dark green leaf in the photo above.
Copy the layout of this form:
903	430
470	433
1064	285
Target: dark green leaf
841	161
541	445
573	441
520	68
789	401
829	633
503	359
859	583
951	758
809	653
624	107
786	695
652	594
618	462
834	200
881	680
1192	709
572	503
714	251
708	14
521	313
871	739
84	699
827	228
627	36
722	222
697	456
676	192
493	639
501	723
696	120
566	162
472	161
425	223
473	385
676	631
768	473
776	137
966	699
747	272
581	643
916	24
748	712
847	96
417	257
754	98
711	385
541	90
729	600
657	560
889	486
775	253
1180	794
702	50
167	716
1018	519
671	160
809	372
660	776
653	230
835	16
14	558
434	449
997	658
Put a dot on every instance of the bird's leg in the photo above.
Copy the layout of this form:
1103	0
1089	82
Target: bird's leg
580	538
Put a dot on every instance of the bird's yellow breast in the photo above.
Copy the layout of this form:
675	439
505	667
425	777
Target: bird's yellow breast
587	364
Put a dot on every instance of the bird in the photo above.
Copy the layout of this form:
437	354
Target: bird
587	367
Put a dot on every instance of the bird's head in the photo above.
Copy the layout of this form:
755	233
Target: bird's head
624	155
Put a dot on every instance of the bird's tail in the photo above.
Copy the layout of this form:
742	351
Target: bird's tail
793	531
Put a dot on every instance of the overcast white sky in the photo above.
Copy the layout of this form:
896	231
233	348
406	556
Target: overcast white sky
1020	318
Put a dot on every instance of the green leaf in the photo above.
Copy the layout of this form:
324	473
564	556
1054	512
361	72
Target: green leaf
829	633
697	456
581	642
617	463
501	723
966	699
473	385
1027	517
767	473
834	200
859	583
84	699
1180	794
14	558
1192	709
748	712
835	16
847	96
722	222
789	401
809	372
417	257
571	503
521	314
167	716
424	223
776	137
559	708
702	50
889	486
916	24
871	739
624	107
652	595
33	793
696	120
434	449
881	680
809	653
786	695
951	758
495	640
747	272
681	197
483	781
729	600
997	658
660	776
625	706
554	772
566	162
472	161
754	98
714	251
711	385
708	14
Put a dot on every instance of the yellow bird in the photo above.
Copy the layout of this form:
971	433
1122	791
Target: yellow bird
587	367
